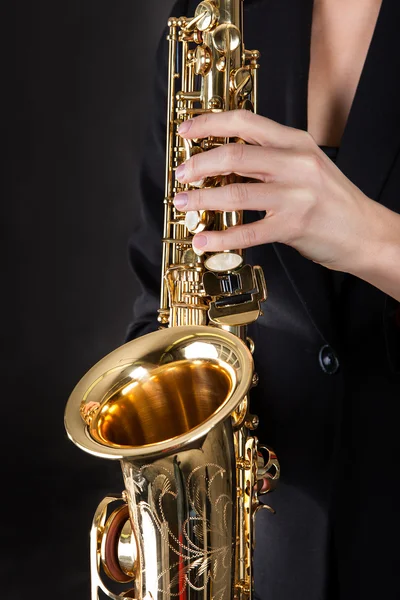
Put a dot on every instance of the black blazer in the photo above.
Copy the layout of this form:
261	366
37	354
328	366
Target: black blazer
336	531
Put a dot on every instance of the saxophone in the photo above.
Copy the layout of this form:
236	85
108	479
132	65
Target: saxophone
173	405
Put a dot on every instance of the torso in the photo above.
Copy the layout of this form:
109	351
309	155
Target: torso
341	34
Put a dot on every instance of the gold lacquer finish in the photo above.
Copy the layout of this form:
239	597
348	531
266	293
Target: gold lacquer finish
182	395
173	406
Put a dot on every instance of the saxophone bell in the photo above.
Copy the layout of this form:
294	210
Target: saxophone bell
161	404
159	393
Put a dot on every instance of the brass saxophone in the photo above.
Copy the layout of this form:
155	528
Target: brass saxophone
173	405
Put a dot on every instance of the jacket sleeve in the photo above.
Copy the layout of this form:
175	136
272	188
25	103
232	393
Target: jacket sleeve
145	247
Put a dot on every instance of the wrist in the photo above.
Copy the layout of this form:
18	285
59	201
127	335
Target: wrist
378	256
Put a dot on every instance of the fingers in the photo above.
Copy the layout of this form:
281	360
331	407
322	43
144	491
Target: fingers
241	236
237	196
244	124
265	164
280	201
288	208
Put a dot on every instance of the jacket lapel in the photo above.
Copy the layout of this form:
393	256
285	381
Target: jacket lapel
368	145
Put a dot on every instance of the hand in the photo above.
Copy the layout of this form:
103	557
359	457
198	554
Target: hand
309	204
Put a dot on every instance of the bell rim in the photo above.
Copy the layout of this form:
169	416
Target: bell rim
78	431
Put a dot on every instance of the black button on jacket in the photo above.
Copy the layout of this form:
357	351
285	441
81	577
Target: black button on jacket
336	531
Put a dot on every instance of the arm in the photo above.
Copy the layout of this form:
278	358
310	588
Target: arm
379	262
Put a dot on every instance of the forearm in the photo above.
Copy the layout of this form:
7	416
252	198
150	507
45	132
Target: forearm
379	258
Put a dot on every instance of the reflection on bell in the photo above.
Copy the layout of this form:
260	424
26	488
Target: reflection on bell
139	373
201	349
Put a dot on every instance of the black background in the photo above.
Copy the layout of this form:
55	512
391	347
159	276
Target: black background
79	77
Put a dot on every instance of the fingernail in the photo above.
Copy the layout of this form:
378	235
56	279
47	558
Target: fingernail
185	126
200	241
180	171
181	200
